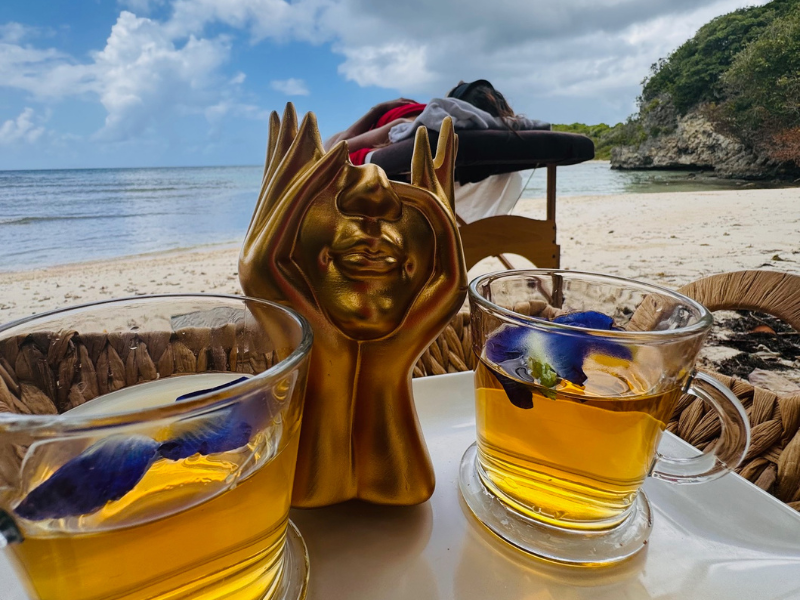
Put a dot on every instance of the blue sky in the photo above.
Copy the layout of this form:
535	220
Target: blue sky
129	83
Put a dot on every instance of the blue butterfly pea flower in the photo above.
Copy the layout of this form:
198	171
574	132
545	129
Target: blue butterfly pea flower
562	351
103	472
112	467
569	350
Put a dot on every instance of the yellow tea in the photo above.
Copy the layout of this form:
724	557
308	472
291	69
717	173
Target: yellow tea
575	456
204	527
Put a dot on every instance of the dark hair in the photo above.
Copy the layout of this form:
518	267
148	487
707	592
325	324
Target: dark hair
481	93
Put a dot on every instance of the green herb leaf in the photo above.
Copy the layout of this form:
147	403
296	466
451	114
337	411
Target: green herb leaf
543	373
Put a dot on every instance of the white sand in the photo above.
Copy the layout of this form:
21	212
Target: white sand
666	238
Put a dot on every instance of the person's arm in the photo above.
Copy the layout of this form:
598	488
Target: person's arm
374	137
364	123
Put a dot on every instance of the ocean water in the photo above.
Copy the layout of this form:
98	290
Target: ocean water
65	216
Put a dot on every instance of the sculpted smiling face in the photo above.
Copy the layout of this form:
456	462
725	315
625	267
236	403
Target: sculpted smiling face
367	254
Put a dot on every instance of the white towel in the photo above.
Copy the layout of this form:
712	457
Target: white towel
495	195
464	115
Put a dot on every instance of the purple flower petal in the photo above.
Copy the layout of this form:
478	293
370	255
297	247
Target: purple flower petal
566	351
507	343
590	319
227	429
104	472
518	393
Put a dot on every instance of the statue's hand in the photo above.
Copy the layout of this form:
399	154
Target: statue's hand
297	171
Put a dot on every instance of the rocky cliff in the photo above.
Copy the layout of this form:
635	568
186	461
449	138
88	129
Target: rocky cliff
690	142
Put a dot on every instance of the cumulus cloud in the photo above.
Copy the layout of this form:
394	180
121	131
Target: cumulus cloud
142	73
21	129
396	65
290	87
533	49
142	76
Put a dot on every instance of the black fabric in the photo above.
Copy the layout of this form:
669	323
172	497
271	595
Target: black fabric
482	153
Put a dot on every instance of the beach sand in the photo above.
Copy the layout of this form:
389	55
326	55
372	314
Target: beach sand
664	238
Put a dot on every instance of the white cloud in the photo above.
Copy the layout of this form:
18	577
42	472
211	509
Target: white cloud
400	65
13	33
142	77
223	108
142	73
290	87
141	7
21	129
274	19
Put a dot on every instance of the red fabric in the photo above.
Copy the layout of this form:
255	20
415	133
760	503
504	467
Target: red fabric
406	110
399	112
359	156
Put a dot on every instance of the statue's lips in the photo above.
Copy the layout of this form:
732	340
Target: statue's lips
368	259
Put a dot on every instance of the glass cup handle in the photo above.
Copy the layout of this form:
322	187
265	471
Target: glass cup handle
729	450
9	532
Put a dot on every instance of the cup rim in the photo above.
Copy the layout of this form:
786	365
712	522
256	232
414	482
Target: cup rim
703	324
210	401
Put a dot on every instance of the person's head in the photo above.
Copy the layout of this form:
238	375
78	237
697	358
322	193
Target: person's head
481	93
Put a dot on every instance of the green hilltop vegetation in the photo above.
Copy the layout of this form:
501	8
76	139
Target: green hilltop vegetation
741	71
605	137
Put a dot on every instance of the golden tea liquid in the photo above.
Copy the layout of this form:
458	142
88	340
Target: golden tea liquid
577	458
221	534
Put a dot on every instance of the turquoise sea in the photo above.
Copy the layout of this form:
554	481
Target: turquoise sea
65	216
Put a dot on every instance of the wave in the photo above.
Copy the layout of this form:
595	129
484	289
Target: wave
30	220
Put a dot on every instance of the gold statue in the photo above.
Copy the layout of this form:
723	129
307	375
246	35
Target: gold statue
377	267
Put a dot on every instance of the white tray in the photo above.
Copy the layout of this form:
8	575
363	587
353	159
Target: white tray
722	540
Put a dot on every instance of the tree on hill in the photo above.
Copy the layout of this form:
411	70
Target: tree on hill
743	71
606	137
691	74
762	89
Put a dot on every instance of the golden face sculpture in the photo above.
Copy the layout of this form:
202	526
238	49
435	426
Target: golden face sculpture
377	268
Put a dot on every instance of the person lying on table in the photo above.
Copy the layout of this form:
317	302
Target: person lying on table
473	105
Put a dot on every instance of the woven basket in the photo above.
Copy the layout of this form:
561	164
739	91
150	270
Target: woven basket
52	372
773	460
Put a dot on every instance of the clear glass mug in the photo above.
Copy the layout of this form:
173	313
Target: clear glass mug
577	378
147	449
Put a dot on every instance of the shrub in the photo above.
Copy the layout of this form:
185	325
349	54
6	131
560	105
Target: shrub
762	88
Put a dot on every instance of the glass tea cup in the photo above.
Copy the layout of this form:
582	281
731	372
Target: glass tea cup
577	378
148	446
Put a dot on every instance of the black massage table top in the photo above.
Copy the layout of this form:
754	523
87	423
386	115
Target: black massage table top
485	152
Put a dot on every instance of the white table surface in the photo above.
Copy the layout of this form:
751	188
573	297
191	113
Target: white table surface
722	540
